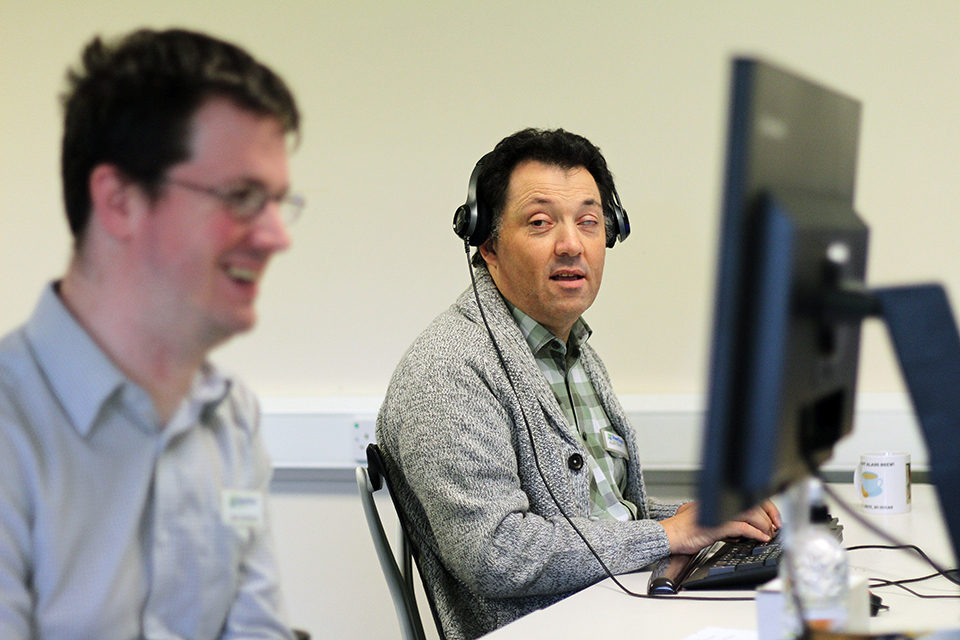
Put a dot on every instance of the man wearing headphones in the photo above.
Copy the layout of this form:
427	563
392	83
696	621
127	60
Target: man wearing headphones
500	421
133	477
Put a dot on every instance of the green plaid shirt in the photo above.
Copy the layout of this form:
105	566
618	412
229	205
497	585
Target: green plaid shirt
606	453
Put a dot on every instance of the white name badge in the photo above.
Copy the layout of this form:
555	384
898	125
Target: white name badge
242	509
614	444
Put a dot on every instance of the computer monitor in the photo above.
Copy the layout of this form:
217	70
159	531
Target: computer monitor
783	368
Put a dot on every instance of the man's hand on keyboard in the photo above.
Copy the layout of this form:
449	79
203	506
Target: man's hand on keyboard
684	536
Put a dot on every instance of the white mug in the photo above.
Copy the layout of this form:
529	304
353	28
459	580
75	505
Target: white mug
882	481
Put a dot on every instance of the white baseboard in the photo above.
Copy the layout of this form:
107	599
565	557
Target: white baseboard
669	430
322	433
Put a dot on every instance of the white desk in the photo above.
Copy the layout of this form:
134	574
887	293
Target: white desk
603	611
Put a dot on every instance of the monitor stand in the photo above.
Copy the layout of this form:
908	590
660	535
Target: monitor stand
925	338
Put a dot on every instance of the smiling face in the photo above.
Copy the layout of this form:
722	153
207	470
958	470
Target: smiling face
199	265
547	259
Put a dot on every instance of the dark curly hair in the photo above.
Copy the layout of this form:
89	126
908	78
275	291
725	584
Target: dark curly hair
551	147
129	103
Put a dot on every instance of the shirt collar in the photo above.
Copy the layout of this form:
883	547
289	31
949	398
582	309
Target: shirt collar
82	377
538	336
208	390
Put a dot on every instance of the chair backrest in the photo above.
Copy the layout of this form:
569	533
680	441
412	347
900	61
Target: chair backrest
370	479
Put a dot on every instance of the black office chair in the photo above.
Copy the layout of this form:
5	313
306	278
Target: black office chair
370	479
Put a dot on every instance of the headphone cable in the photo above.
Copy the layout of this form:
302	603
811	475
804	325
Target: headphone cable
536	460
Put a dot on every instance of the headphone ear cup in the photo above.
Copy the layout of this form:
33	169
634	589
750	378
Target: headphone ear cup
464	222
471	222
611	230
482	230
621	223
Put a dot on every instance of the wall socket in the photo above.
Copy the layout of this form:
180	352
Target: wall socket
364	433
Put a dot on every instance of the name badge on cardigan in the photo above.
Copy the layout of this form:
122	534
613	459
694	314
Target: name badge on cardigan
614	444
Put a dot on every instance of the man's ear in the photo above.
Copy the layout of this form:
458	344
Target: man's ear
488	251
113	200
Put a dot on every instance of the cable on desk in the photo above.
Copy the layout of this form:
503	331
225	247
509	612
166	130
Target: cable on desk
884	535
949	574
882	582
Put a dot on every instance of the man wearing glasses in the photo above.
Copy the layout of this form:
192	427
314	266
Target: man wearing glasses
132	473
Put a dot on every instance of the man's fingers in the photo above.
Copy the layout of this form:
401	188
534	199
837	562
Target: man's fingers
762	518
773	512
762	521
741	528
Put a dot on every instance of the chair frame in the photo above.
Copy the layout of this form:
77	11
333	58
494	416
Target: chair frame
400	582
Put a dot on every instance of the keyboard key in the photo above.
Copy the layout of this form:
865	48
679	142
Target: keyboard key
720	569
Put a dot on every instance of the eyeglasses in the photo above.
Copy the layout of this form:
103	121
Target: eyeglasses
246	202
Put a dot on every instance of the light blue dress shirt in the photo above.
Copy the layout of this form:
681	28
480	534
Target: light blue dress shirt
112	527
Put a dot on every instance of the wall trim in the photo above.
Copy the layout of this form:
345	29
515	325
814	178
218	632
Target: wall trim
316	438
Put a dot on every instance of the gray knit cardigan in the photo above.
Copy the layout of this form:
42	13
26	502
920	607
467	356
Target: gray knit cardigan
494	545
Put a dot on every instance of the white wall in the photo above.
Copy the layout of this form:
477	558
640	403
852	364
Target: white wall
333	584
401	98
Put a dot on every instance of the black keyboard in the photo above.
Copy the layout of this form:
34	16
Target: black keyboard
727	564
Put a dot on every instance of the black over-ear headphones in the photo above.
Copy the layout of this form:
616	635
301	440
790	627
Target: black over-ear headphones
472	220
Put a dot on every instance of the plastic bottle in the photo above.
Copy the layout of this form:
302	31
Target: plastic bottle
818	569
